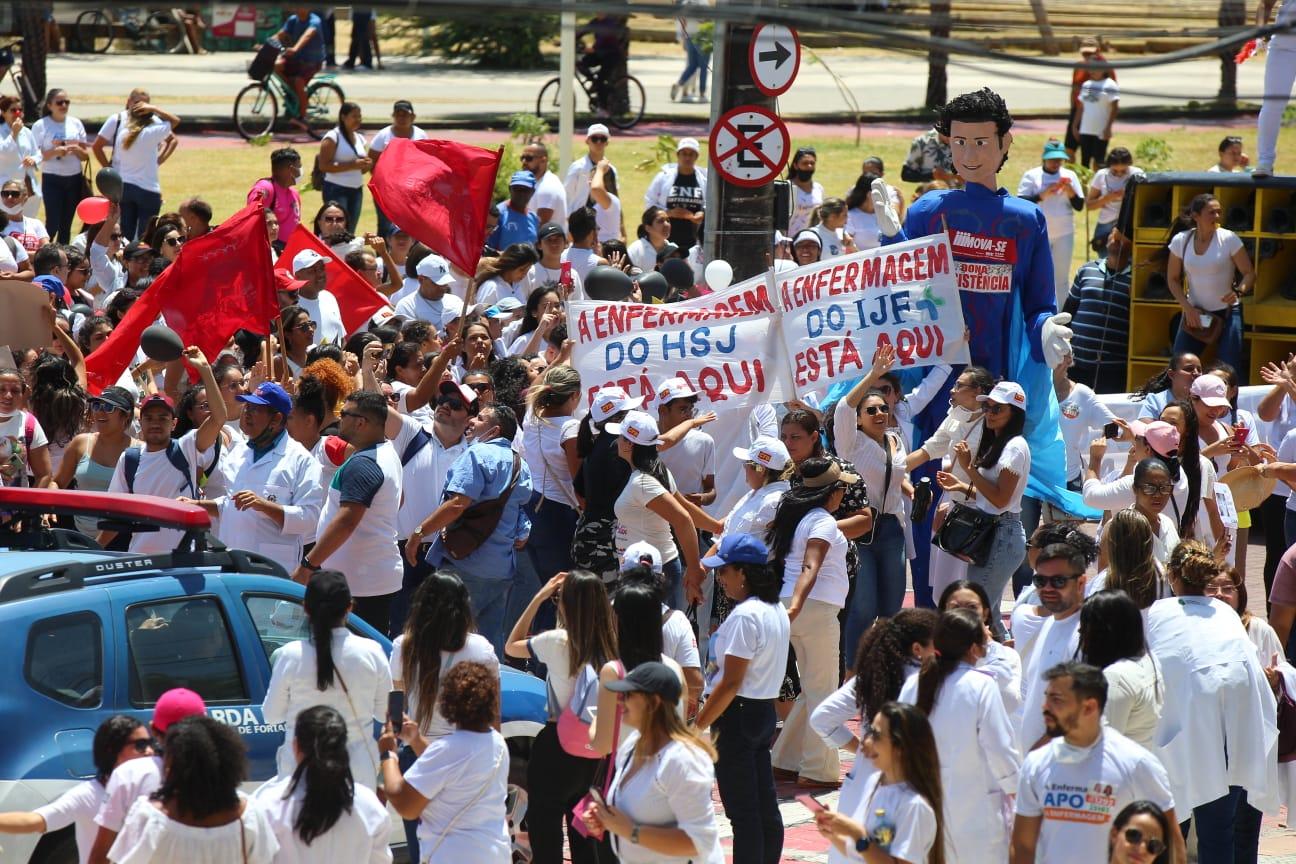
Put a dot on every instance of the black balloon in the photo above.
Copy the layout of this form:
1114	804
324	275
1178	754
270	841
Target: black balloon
161	343
654	287
109	183
678	273
608	283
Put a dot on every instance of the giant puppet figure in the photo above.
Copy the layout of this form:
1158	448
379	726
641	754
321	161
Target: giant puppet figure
1004	272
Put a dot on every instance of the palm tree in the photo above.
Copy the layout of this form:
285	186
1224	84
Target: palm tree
29	23
937	58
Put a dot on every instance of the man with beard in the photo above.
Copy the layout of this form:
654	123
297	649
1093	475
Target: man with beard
1060	580
1071	788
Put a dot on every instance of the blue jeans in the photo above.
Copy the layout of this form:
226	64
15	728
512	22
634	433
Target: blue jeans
413	577
746	779
352	200
138	206
696	62
490	600
1006	554
1228	829
1030	515
406	757
674	573
548	551
61	194
879	582
1227	348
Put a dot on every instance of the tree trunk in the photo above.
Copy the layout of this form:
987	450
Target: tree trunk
1232	13
937	58
29	23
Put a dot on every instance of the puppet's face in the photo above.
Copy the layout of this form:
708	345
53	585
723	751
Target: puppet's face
978	151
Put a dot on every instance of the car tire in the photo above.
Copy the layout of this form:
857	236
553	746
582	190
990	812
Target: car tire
56	848
519	750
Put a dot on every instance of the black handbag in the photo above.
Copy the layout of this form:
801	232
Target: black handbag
968	533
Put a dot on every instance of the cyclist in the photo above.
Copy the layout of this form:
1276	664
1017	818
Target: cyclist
606	58
303	55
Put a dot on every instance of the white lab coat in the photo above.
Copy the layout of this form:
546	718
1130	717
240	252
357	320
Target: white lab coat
289	476
979	763
1004	665
1216	701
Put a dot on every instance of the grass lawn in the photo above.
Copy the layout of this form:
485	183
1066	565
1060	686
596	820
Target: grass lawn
221	172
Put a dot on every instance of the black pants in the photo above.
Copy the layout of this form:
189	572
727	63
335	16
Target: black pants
375	611
556	781
360	49
746	780
1093	151
1273	514
329	35
61	194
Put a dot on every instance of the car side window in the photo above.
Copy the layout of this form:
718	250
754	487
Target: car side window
279	621
64	659
182	643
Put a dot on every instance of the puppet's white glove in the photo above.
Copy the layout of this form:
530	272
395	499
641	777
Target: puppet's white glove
884	210
1055	338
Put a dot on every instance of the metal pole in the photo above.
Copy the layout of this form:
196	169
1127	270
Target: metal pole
718	75
566	95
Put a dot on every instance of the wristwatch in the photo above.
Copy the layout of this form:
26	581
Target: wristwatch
862	844
385	755
634	834
314	568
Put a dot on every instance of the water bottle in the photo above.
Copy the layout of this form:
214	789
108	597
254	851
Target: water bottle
921	501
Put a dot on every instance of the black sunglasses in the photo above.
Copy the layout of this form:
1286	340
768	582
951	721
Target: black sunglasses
877	409
103	405
355	414
142	745
174	241
61	102
453	403
599	139
10	193
1134	837
482	387
1055	582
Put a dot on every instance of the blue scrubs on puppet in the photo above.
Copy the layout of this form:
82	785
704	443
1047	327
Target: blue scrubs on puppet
1004	272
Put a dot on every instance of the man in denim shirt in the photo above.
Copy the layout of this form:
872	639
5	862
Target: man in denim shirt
482	474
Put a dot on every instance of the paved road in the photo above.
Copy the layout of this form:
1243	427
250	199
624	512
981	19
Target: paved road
443	93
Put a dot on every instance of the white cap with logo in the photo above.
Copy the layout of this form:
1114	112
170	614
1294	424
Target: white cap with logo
436	268
612	400
640	553
768	452
308	258
675	388
1006	393
637	428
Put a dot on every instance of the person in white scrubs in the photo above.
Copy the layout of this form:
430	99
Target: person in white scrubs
979	760
1111	638
1001	662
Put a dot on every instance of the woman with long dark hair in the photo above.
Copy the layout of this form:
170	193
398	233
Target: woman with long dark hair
319	813
809	547
1132	566
1140	834
508	274
584	637
1111	638
543	312
344	160
298	336
1000	662
599	481
1174	384
59	401
1200	518
198	814
1152	490
899	810
996	482
64	148
653	236
90	458
334	667
974	738
478	353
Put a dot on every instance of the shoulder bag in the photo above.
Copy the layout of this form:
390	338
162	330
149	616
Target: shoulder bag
1208	333
967	533
476	524
609	768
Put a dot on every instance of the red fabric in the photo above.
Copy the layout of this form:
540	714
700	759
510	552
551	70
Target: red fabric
221	282
357	299
438	192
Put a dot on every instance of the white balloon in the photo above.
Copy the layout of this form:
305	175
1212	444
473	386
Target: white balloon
718	275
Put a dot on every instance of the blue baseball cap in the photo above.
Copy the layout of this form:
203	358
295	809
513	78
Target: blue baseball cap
1054	150
523	178
271	395
738	549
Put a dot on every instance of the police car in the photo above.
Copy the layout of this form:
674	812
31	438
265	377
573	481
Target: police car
92	633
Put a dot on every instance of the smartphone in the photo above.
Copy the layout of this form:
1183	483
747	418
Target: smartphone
396	708
1112	430
810	803
1240	434
565	274
597	794
1206	319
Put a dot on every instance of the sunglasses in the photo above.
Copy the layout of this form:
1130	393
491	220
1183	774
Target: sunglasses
393	397
334	220
598	139
104	406
174	241
994	407
356	414
61	102
305	325
452	403
9	193
482	387
1155	488
1055	582
874	410
869	732
1134	837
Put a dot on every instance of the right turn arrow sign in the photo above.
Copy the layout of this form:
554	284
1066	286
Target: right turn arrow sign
772	46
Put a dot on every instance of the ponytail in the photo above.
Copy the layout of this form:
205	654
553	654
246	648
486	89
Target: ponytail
321	735
955	634
328	599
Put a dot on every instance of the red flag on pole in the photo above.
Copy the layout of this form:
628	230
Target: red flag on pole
438	192
220	283
357	299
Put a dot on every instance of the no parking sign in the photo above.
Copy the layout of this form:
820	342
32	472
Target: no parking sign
749	146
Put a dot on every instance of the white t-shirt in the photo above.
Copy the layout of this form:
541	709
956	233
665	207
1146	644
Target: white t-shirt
438	312
635	523
863	227
831	243
150	835
476	649
582	261
803	207
47	131
327	315
1210	275
1058	212
1096	101
679	643
77	806
386	134
673	788
425	474
832	583
539	275
1081	413
754	512
344	152
550	648
30	233
158	476
358	837
14	466
690	461
550	194
1068	788
1106	183
1165	540
464	776
127	782
608	220
369	557
758	632
1058	642
542	442
898	820
138	163
1016	458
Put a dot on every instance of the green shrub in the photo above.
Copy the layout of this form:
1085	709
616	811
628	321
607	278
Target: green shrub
1153	154
496	41
524	129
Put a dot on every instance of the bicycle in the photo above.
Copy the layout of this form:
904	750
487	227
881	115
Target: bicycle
95	30
627	98
9	65
256	107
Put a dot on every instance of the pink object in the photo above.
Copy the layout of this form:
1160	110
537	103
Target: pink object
1162	437
176	704
92	210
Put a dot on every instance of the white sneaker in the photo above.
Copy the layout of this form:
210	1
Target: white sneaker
1263	171
675	92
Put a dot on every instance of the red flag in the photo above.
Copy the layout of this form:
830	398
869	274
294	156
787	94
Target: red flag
221	282
438	192
357	299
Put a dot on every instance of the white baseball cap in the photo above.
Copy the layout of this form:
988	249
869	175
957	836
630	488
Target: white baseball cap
452	309
436	268
675	388
688	144
637	428
308	258
597	129
612	400
1211	390
768	452
1006	393
641	553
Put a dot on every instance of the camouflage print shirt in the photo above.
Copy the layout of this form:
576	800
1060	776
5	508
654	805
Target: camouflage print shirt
926	153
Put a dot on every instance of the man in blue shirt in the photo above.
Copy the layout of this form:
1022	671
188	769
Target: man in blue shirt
516	225
486	472
303	54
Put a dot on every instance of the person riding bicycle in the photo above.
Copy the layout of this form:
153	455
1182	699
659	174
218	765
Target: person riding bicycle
605	60
303	54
